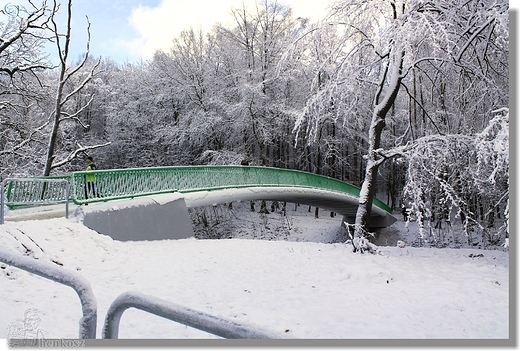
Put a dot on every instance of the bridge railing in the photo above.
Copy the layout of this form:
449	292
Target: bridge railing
134	182
34	191
131	299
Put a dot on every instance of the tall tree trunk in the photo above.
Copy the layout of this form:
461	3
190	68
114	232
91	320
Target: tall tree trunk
57	109
368	187
62	97
374	159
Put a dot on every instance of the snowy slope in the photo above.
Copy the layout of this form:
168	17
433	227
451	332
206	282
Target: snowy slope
304	286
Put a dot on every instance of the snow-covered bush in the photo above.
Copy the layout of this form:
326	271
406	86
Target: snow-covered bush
461	180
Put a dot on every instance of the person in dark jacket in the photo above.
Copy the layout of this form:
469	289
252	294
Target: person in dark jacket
404	212
245	162
90	179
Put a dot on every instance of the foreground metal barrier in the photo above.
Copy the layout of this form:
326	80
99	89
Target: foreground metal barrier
87	324
199	320
34	192
162	308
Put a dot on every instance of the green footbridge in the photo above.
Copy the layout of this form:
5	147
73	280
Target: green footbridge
199	186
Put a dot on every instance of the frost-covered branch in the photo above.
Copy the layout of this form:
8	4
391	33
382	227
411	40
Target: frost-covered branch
31	22
472	38
81	86
465	173
74	116
26	141
493	146
12	71
61	97
75	153
411	96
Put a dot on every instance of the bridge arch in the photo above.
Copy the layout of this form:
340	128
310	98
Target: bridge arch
207	185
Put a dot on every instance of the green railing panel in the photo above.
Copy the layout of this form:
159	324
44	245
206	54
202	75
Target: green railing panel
134	182
35	190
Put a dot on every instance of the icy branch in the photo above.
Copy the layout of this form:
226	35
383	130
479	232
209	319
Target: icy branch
75	153
475	34
75	114
25	24
12	71
26	141
422	108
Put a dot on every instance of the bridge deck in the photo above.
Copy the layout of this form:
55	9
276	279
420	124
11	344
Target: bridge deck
200	185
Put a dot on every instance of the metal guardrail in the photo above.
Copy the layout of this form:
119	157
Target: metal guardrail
33	192
199	320
134	182
87	324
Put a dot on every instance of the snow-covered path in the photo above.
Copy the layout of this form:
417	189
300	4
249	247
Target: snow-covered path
298	289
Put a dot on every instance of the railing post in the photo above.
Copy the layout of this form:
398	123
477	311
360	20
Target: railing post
67	197
87	324
2	202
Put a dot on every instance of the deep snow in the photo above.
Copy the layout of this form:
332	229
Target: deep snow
303	284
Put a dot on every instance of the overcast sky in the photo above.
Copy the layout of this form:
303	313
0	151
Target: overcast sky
128	30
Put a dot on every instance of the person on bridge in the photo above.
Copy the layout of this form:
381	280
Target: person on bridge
90	179
245	162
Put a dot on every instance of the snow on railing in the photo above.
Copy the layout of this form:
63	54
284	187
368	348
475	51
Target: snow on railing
132	182
87	323
34	191
199	320
105	185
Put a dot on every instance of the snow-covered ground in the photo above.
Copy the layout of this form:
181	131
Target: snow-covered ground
303	283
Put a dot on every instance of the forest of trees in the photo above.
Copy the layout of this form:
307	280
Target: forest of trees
407	99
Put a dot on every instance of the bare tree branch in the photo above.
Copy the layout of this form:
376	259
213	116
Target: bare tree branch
24	142
62	99
75	153
82	84
422	108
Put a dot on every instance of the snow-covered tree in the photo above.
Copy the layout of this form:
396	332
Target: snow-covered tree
23	33
64	109
259	97
391	52
462	177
